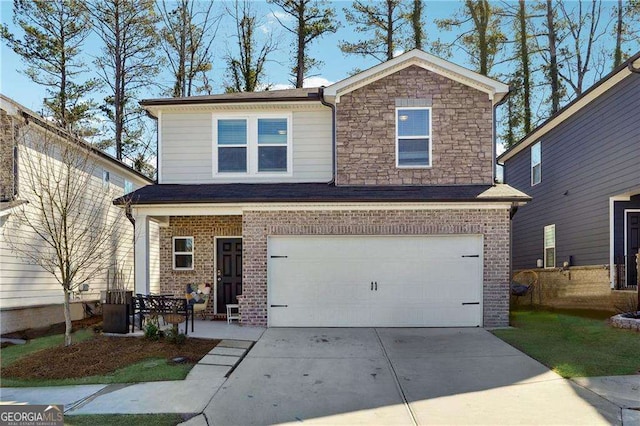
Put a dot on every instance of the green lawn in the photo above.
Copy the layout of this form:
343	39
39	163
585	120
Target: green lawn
574	346
12	353
124	420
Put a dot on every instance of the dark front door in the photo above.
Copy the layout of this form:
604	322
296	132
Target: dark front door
633	241
229	272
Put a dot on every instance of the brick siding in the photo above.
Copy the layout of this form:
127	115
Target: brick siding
493	224
203	229
462	131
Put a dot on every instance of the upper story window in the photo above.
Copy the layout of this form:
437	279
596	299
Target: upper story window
106	178
232	145
128	186
413	137
183	253
253	145
536	164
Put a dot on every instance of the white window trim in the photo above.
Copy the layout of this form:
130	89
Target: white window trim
555	254
429	137
252	145
174	253
537	144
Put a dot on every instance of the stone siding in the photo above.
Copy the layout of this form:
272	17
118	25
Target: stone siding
492	224
203	229
7	141
462	145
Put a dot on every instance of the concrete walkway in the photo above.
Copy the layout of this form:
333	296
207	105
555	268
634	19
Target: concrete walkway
373	376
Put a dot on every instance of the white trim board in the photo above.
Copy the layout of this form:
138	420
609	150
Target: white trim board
494	89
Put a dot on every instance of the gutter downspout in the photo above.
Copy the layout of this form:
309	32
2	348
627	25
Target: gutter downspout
494	162
333	136
149	115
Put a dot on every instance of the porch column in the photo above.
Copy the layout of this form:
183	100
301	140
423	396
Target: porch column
141	253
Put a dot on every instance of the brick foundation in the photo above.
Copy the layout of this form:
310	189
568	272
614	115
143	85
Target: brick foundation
492	224
203	229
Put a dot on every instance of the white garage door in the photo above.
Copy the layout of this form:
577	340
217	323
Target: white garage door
375	281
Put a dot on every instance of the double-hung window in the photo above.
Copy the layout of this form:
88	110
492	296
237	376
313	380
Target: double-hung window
272	144
550	246
413	137
252	145
232	145
183	253
536	164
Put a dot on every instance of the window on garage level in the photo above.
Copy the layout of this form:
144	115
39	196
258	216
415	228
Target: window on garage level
413	137
536	164
550	246
183	253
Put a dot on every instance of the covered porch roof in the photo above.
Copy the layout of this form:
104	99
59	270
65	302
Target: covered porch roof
318	192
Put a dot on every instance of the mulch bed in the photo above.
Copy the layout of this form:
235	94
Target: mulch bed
102	355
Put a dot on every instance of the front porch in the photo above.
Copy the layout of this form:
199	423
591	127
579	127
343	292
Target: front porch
200	251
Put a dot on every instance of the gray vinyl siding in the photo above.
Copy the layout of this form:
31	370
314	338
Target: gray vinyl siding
591	156
186	148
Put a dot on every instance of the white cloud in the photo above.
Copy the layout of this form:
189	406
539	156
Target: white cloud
316	82
398	52
272	20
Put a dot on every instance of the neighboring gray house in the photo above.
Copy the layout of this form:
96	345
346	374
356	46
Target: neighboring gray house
370	202
582	168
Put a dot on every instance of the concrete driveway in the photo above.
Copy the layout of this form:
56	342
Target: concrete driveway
398	376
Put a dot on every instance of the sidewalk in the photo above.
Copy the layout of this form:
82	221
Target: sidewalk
623	391
180	396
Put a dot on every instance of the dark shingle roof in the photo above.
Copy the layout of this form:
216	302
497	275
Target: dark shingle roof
317	192
286	95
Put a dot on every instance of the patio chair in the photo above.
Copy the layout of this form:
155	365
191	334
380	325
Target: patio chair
526	283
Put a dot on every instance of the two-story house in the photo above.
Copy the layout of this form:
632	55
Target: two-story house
30	296
582	168
370	202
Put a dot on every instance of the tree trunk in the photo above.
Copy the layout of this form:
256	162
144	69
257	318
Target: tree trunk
553	60
524	60
617	56
417	24
67	317
301	48
389	30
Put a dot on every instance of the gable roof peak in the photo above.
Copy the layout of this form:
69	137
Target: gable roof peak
494	89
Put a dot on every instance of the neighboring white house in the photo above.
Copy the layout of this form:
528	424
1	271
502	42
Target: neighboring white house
29	296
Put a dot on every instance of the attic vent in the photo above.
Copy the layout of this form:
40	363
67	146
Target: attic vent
422	102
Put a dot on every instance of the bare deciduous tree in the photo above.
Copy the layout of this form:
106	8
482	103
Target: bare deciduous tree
247	68
68	226
187	39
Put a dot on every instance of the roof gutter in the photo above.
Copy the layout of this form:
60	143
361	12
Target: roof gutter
333	135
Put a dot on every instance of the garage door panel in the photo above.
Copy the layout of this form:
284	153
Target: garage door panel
421	281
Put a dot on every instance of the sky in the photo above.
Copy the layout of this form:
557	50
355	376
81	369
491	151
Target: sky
335	65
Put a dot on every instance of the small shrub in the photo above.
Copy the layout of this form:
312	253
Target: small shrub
173	336
151	331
